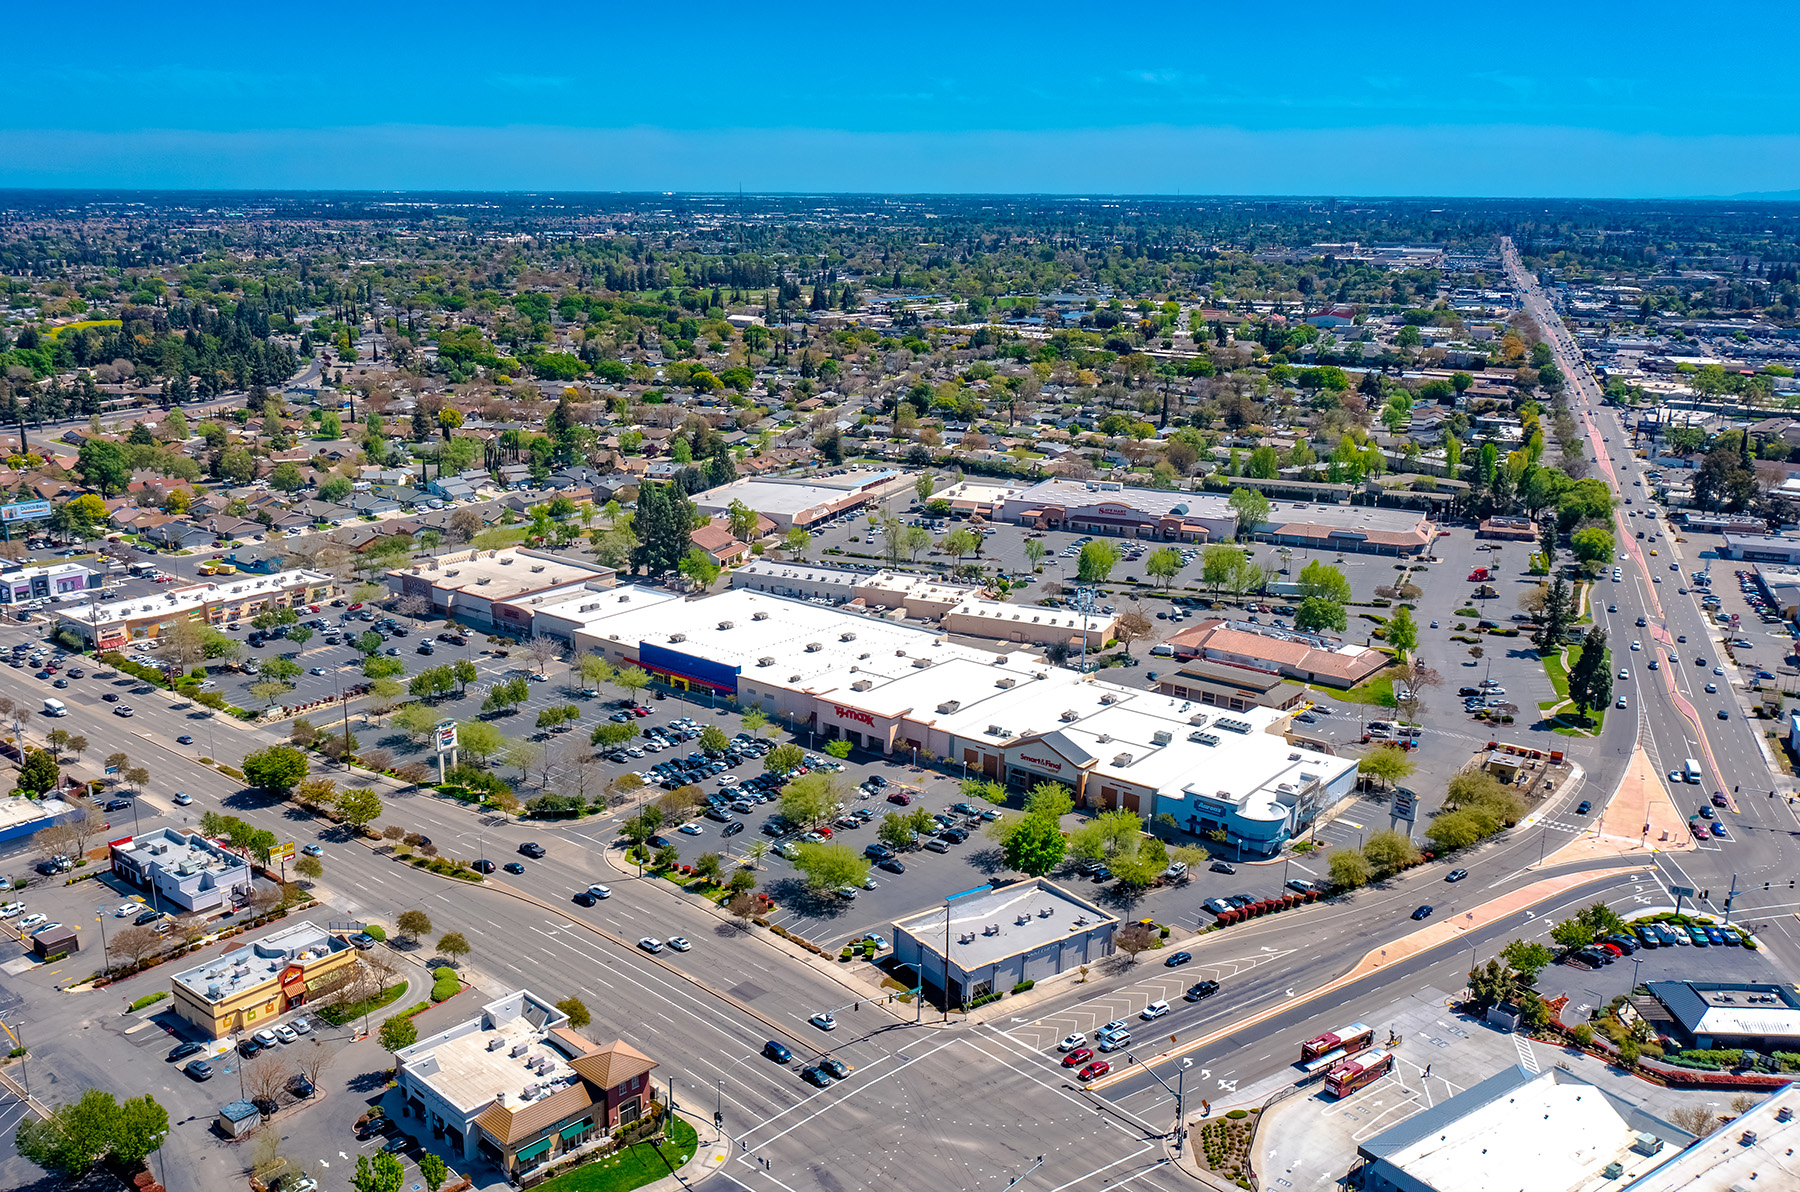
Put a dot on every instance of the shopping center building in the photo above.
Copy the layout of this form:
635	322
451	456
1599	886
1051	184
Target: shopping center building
116	623
1003	712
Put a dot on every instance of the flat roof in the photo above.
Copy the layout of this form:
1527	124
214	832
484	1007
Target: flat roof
798	572
463	1064
1723	1160
1152	501
180	853
1560	1129
19	811
499	576
193	596
772	498
1741	1009
985	928
259	961
595	604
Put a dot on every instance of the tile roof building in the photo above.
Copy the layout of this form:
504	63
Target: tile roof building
1304	656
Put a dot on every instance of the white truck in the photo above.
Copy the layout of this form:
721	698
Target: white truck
55	707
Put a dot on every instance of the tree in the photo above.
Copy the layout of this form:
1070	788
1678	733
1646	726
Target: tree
1491	984
1556	615
359	806
662	523
1350	869
131	944
412	925
1528	958
594	669
310	868
506	696
39	773
577	1011
1035	552
1164	563
959	542
784	759
1321	579
1130	627
102	465
631	680
1035	845
453	945
700	567
710	868
1572	934
1252	509
1389	851
796	542
1134	938
809	798
76	1136
1387	764
433	1170
895	831
1591	677
1096	561
1316	613
1403	632
138	1130
1593	546
277	769
713	738
385	1173
480	740
398	1031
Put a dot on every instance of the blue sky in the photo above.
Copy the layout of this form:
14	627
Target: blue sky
1531	99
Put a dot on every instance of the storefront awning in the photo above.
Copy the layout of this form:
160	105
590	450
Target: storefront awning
528	1153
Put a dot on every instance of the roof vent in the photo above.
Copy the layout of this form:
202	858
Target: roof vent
949	706
496	1044
765	660
675	638
1070	716
846	637
861	685
1121	759
995	730
813	647
759	616
727	624
1109	698
1007	683
1162	738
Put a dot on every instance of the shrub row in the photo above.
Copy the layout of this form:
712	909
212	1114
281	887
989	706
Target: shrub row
785	934
1267	906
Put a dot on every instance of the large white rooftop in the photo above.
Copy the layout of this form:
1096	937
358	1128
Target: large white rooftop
195	596
259	961
503	575
1018	918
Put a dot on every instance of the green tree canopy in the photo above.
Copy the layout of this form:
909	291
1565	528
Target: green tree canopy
278	768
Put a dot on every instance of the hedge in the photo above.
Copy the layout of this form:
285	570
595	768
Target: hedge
149	999
445	984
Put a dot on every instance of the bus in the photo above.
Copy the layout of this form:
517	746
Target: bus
1350	1040
1329	1060
1358	1073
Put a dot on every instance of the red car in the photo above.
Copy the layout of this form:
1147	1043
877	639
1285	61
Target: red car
1078	1057
1095	1070
900	797
640	711
823	831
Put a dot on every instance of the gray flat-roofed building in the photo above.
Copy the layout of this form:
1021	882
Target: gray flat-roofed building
184	869
796	580
1760	1015
1220	686
1027	931
1752	1150
1761	548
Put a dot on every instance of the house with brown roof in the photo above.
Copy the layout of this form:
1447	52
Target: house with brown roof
1311	658
518	1087
716	540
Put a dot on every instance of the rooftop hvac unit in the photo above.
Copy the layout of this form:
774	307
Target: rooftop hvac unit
861	685
1197	719
759	616
793	678
537	569
1121	759
1231	725
765	660
1161	738
899	653
486	579
995	730
1070	715
1046	912
921	663
1203	738
507	561
1109	699
452	572
531	1091
212	993
846	637
967	937
1006	684
675	638
1103	738
863	657
813	647
949	706
726	624
518	1050
496	1044
1023	919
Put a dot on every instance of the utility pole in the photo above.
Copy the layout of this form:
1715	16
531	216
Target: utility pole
1731	894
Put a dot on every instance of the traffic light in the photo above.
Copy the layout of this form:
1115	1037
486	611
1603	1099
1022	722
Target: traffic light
718	1120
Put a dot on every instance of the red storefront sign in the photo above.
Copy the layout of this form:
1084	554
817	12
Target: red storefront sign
844	713
1038	761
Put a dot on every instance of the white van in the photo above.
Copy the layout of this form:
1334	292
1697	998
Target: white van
55	707
1162	650
1692	771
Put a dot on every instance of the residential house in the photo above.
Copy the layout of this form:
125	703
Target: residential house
373	504
178	535
716	540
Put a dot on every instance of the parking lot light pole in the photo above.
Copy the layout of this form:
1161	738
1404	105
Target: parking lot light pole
1026	1172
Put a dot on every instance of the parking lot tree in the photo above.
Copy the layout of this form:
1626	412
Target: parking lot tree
700	568
755	720
1317	613
631	680
829	866
1572	934
985	789
78	1134
1319	578
713	737
1349	869
269	690
1034	846
503	697
680	803
958	542
797	542
1162	565
359	806
1050	799
893	539
1452	830
1035	552
895	830
131	944
480	740
1143	864
595	670
784	759
710	868
1390	851
666	857
1403	632
1096	561
415	720
280	670
840	749
1528	958
577	1011
300	635
1591	676
269	618
398	1031
1386	765
183	643
808	799
742	881
309	868
623	787
608	735
915	540
553	717
1134	938
1252	509
1602	919
369	642
277	769
1132	626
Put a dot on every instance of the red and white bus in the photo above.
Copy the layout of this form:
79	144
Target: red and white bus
1358	1073
1349	1040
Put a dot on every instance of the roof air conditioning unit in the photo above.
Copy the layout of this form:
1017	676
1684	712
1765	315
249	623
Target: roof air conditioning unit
1161	738
921	663
899	653
1103	738
813	647
537	569
518	1050
496	1044
995	730
531	1092
675	638
507	561
1197	719
1070	716
759	616
486	579
861	685
727	624
793	678
1200	738
949	706
1006	684
765	661
846	637
1109	698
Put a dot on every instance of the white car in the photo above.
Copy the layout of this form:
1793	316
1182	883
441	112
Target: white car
599	891
182	798
1154	1010
302	1025
1071	1042
728	780
823	1021
11	909
31	921
650	944
1636	646
689	829
266	1038
679	944
285	1034
1114	1027
129	908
